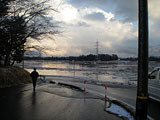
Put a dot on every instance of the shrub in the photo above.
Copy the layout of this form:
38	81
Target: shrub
13	76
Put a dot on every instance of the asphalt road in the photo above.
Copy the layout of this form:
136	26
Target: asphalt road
123	94
51	102
128	96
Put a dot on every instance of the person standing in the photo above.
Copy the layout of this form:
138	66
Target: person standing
34	74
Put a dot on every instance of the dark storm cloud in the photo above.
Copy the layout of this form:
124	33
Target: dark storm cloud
120	50
126	48
128	51
126	10
154	36
154	44
95	16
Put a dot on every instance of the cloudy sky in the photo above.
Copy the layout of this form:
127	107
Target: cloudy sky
113	23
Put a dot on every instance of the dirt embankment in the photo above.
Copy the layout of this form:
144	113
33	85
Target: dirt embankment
10	76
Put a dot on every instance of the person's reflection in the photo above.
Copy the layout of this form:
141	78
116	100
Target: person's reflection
34	98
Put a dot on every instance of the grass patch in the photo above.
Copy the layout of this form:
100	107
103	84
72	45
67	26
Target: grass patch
13	76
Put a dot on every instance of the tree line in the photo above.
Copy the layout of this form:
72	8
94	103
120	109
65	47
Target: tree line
90	57
22	23
151	58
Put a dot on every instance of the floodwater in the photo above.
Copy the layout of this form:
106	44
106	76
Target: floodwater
114	71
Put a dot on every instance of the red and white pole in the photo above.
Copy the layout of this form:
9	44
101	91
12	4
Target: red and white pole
105	86
85	85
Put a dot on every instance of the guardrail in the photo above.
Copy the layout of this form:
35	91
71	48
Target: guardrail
95	82
42	77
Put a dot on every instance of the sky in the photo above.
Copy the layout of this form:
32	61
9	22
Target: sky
113	23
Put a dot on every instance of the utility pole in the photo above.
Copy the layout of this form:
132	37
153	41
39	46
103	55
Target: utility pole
142	85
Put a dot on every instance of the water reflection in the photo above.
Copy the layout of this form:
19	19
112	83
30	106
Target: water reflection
101	72
33	98
96	74
74	71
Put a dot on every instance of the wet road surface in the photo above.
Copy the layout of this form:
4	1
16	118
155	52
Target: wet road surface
123	94
51	102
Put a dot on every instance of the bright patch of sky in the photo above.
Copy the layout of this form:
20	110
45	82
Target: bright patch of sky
112	22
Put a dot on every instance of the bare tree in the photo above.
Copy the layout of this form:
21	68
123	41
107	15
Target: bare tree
27	21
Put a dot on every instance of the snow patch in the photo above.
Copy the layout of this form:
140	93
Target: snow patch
118	110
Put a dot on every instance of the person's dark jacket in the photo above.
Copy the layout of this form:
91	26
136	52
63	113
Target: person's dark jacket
34	75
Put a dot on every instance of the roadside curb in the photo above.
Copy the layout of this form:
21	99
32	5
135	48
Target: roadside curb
126	106
71	86
67	85
115	101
